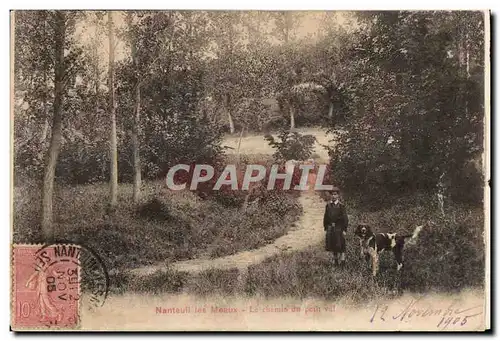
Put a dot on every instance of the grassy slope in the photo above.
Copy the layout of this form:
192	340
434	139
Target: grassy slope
190	228
448	257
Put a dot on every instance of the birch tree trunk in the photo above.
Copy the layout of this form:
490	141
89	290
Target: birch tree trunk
45	129
48	230
229	116
96	72
136	127
292	117
231	123
330	111
113	188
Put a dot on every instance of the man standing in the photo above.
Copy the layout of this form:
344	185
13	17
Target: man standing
335	223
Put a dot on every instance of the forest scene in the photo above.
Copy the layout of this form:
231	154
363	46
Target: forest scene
106	102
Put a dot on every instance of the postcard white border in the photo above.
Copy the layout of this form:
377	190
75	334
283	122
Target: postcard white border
185	4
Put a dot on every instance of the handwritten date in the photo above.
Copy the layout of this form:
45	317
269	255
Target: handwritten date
451	315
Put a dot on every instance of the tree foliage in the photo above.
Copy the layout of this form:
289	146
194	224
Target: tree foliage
401	91
416	106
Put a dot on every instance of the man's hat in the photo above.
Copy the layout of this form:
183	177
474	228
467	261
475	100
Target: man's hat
335	189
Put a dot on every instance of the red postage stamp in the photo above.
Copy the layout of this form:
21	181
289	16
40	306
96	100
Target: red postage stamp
46	287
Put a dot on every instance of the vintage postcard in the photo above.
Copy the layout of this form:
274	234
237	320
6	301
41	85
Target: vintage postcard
250	170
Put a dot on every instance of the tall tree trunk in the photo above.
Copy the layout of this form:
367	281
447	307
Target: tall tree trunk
231	71
48	230
136	127
45	129
229	116
460	40
135	144
45	99
113	188
231	123
467	55
467	70
286	26
330	111
96	73
292	117
463	57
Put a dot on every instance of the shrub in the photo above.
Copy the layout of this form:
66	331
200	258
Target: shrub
230	198
449	257
155	209
291	145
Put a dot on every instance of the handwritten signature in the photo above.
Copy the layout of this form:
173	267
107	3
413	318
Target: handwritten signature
452	315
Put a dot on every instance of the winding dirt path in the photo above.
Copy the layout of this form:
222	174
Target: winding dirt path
309	231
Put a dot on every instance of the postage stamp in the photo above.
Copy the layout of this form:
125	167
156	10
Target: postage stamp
47	285
46	288
250	170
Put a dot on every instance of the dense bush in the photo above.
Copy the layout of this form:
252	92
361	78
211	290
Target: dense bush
448	257
229	197
415	113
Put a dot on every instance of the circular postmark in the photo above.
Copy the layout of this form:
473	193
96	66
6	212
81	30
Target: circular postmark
69	277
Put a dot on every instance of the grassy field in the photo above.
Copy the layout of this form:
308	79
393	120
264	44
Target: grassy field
448	257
